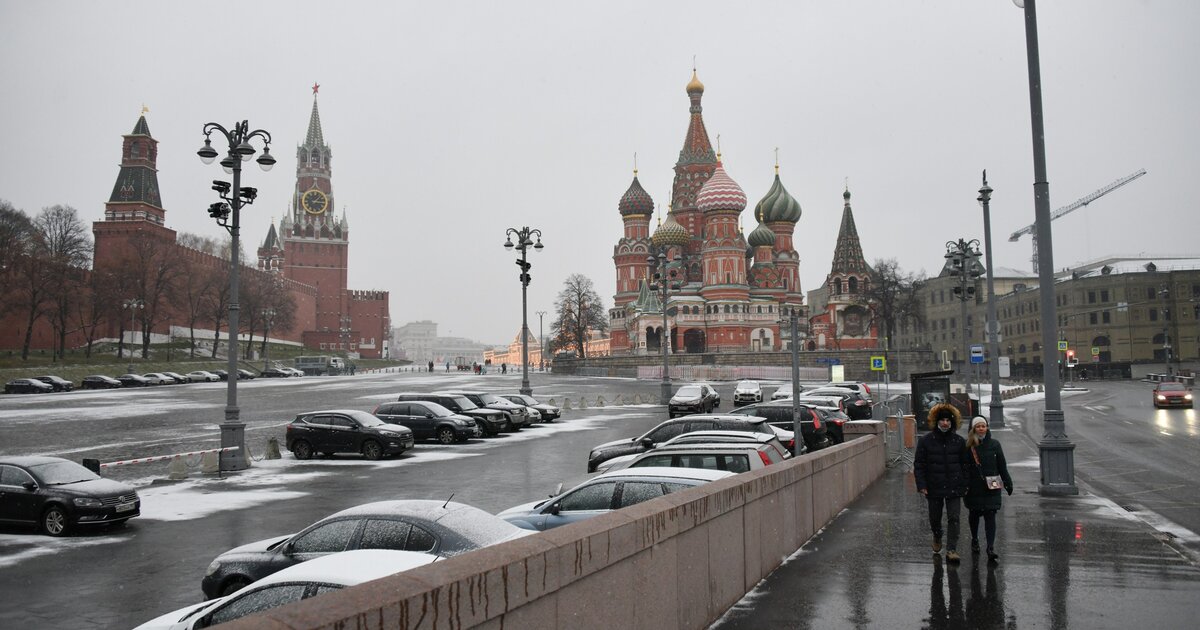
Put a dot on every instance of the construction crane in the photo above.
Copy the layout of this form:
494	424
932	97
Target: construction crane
1075	205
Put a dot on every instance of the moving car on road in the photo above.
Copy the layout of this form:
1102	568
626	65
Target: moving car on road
1172	395
59	495
549	413
57	382
747	392
99	381
275	373
27	386
429	420
697	398
346	431
604	493
439	528
672	428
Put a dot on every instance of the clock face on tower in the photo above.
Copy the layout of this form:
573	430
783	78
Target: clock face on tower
314	201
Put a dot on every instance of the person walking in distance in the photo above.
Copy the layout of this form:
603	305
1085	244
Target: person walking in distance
940	469
989	473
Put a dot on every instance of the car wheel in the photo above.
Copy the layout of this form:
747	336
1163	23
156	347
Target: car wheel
54	521
372	450
233	585
445	435
302	449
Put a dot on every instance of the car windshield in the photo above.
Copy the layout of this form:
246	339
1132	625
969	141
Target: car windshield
690	390
492	399
1171	387
527	400
365	419
62	473
437	410
463	402
748	385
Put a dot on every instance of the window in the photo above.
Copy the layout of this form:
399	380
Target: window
385	534
1103	295
1092	298
665	432
262	599
420	540
13	476
1092	319
653	461
1151	294
853	282
1153	314
327	538
597	496
634	492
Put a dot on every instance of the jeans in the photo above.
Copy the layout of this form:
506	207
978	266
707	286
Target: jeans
953	506
989	526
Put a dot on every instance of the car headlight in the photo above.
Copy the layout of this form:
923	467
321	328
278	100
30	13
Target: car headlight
1187	396
465	423
1161	397
389	434
213	568
87	502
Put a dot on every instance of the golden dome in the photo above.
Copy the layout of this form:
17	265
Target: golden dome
694	85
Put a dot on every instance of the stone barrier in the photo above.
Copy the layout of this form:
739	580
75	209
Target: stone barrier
679	561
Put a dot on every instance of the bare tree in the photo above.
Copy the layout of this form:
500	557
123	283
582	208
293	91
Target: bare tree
195	290
67	249
216	302
578	309
15	233
156	273
95	304
892	297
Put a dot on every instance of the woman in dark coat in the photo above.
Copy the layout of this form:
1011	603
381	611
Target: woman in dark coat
940	470
986	458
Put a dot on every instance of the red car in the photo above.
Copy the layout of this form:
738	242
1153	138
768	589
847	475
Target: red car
1172	395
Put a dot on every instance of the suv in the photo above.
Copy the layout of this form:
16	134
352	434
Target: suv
779	413
747	392
490	421
429	420
695	398
854	403
346	431
514	414
548	412
58	383
672	428
705	439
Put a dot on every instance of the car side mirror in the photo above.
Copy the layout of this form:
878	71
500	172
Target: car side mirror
647	442
554	509
29	485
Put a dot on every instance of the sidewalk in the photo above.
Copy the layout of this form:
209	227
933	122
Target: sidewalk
1064	562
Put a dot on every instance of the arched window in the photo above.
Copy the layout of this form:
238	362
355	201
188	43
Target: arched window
1037	346
1021	349
837	286
853	282
726	308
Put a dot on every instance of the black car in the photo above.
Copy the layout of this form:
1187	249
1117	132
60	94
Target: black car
58	495
779	413
672	428
346	431
429	420
697	398
27	386
490	421
274	373
856	404
245	375
58	383
99	381
221	374
134	380
440	528
550	413
514	414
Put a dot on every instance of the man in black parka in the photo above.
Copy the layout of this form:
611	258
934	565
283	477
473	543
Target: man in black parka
940	468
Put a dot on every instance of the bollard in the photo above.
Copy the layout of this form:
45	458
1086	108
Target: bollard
582	402
177	470
273	449
210	463
637	399
566	404
599	401
910	431
552	403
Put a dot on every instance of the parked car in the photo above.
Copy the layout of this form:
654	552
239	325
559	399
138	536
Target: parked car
274	373
515	414
245	375
346	431
58	495
671	428
747	392
221	374
134	380
857	386
179	378
779	413
854	403
1172	395
607	492
158	378
490	421
99	381
291	370
57	382
697	398
835	422
549	413
785	391
439	528
429	420
321	575
735	458
27	386
700	439
204	376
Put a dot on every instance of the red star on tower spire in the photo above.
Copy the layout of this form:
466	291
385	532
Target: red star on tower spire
316	86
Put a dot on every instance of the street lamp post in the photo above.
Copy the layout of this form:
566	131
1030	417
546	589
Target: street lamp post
996	405
1165	294
228	215
345	326
1057	453
525	237
964	259
268	319
793	320
541	342
133	304
664	281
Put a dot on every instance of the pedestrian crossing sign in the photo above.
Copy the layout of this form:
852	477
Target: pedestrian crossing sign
1062	346
878	364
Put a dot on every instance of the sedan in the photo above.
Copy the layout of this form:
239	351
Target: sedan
705	438
245	375
699	398
747	392
134	380
604	493
1172	395
58	383
346	431
158	378
27	386
179	378
58	495
669	429
329	573
438	528
274	373
99	381
203	376
549	412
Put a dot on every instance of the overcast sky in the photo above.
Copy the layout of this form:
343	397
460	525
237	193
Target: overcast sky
452	121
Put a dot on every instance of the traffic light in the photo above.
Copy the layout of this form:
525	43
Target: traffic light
1071	360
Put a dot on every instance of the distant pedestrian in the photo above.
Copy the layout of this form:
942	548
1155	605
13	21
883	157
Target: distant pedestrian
989	473
940	469
504	368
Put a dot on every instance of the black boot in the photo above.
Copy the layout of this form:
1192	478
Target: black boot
993	557
974	546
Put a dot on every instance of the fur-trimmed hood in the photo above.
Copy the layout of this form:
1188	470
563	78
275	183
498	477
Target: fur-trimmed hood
944	409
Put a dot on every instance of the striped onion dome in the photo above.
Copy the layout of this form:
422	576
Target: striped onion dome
670	234
762	236
778	205
720	192
636	200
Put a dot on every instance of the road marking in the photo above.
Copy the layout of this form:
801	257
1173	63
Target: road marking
1166	433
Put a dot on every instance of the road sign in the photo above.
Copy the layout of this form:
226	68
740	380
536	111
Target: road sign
977	353
878	364
1062	346
1095	351
1005	367
828	360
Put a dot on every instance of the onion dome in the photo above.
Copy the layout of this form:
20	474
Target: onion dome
636	200
720	192
778	205
670	234
762	236
695	85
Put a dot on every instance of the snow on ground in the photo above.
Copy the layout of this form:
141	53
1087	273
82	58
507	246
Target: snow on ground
15	548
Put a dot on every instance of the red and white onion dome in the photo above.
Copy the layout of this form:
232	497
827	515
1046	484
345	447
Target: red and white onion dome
720	192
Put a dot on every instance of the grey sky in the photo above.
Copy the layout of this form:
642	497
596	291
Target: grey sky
450	122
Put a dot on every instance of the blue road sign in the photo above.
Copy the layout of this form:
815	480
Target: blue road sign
977	353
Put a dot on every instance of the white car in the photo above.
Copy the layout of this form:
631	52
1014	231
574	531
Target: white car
774	440
746	393
203	376
785	391
301	581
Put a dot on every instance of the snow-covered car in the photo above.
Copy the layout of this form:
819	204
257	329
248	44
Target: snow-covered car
550	413
669	429
440	528
695	398
775	440
324	574
747	392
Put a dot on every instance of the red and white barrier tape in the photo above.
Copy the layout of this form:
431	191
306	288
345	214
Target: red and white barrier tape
159	458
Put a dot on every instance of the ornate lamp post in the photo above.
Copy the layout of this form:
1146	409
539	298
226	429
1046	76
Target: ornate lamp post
133	304
268	319
228	215
996	406
541	341
525	237
792	314
664	280
344	329
964	259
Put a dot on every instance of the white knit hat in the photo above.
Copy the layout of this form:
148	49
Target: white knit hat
978	420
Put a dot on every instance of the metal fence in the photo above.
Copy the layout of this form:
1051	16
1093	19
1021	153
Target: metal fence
732	373
891	412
